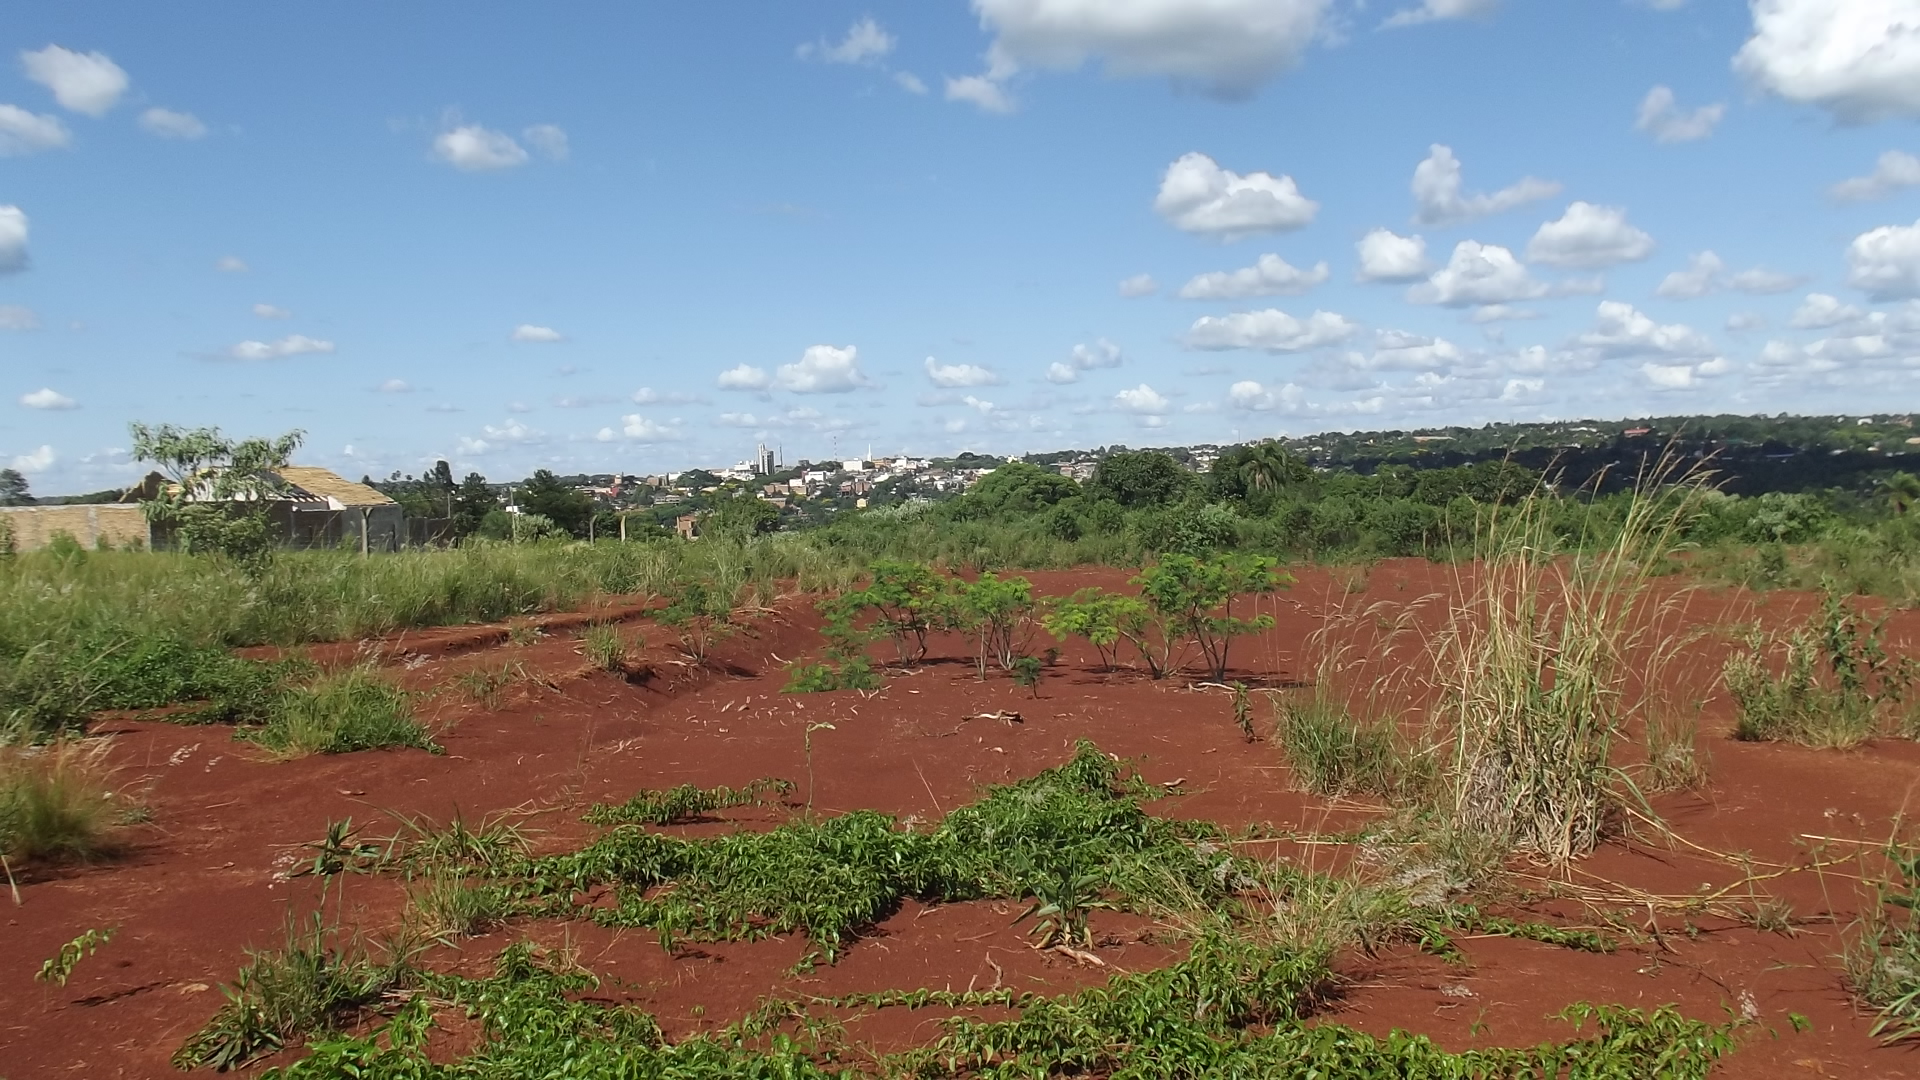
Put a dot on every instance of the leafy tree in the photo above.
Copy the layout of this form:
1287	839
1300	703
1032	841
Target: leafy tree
997	612
1020	488
548	497
1099	616
696	479
740	518
905	598
1140	478
216	499
472	502
1194	598
13	489
1256	472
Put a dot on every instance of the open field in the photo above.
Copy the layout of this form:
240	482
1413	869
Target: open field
1737	917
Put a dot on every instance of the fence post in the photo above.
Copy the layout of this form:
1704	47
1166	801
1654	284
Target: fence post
365	549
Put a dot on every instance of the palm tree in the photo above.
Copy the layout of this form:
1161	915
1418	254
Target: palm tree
1268	466
1901	490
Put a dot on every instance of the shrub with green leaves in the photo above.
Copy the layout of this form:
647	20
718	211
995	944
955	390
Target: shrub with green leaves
1836	686
1193	599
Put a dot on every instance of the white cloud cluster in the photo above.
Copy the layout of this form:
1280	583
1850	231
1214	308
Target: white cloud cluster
866	41
1438	199
823	369
1622	332
1661	117
1858	59
745	377
1885	262
647	395
953	376
291	345
510	433
1083	357
473	148
1395	350
1270	330
1896	169
48	398
1821	312
1388	256
1198	196
1139	285
1226	47
39	461
13	239
1478	274
642	429
988	90
23	133
1256	397
1589	236
1270	275
1143	400
87	83
170	124
528	333
269	311
1701	277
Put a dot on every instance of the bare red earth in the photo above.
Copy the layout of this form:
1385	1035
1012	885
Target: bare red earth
208	878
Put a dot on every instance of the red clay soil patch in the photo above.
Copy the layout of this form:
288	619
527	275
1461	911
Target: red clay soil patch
207	878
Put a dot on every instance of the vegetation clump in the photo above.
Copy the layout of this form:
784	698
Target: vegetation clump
339	712
1837	684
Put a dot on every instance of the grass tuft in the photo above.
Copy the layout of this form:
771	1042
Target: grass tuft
56	802
340	712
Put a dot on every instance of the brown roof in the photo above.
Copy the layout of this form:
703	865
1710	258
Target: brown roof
326	483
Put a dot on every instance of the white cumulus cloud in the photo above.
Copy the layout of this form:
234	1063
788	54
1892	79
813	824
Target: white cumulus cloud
1198	196
1387	256
745	377
1820	311
1225	47
472	148
395	386
1661	117
39	461
865	42
48	398
1270	275
1763	281
1255	397
1142	399
639	428
823	369
958	375
1701	277
1619	330
269	311
537	335
1438	199
1084	357
1858	59
23	133
1271	330
291	345
1885	262
1139	285
169	124
1478	274
84	82
1589	236
647	395
13	239
1896	169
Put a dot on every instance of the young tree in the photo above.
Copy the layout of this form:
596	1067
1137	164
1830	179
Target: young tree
472	502
218	491
741	518
546	496
1195	599
1140	478
13	489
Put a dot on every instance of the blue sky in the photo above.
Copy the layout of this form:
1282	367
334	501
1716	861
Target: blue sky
599	236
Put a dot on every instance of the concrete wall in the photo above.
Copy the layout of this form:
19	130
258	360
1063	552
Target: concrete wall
34	527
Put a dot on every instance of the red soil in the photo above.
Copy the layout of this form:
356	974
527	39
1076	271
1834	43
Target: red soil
207	878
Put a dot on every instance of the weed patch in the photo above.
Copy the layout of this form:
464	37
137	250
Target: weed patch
338	713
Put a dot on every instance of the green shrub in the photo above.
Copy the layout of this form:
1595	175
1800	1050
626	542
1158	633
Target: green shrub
1836	687
340	712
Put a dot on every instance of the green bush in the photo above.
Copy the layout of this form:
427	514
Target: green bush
340	712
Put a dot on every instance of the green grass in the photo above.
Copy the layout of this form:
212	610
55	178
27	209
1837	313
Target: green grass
55	802
1334	753
340	712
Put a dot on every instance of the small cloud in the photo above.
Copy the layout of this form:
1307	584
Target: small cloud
1139	285
909	82
1661	118
169	124
291	345
16	317
1198	196
823	369
549	139
640	428
1062	373
647	395
959	375
47	398
1763	281
23	133
745	377
472	148
38	461
231	264
1896	169
268	311
1142	399
84	82
396	386
987	93
538	335
865	42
